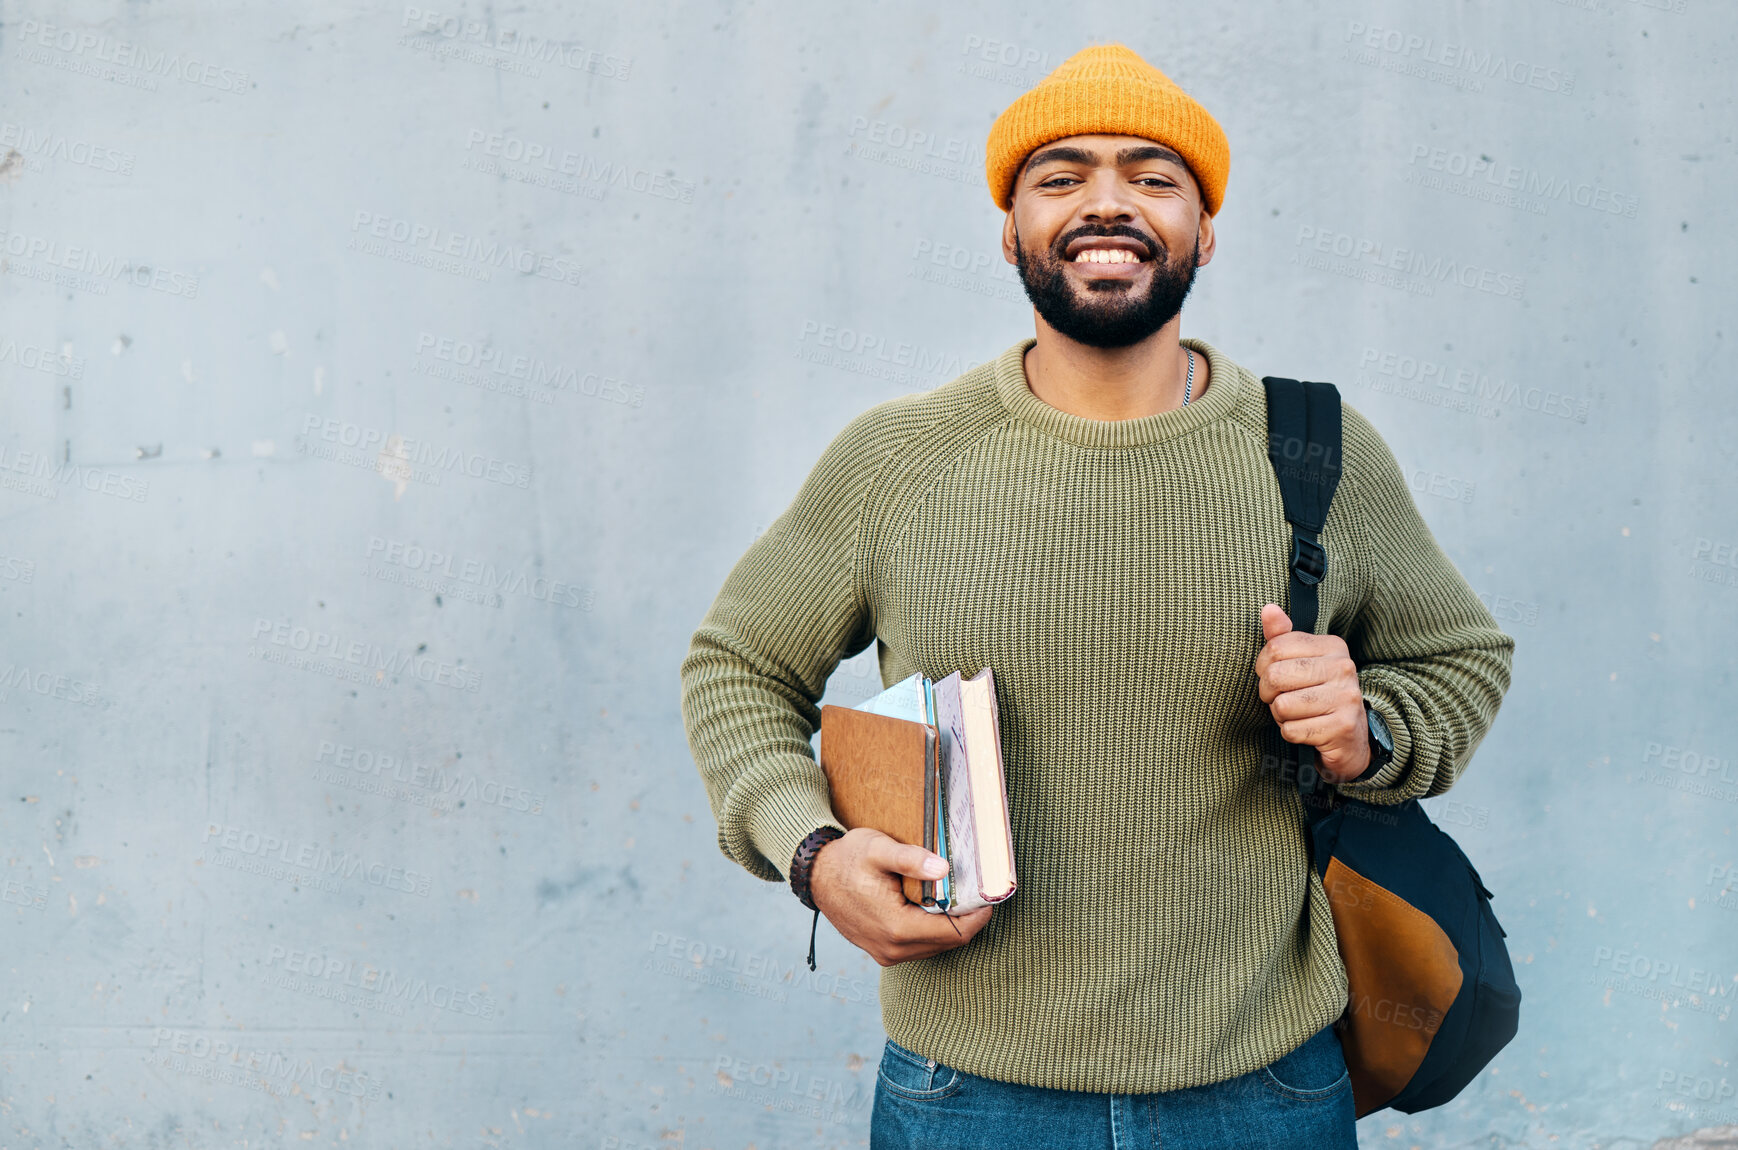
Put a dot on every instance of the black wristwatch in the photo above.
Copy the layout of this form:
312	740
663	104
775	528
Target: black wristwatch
1381	743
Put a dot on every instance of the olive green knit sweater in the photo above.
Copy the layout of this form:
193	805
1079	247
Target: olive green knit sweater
1167	931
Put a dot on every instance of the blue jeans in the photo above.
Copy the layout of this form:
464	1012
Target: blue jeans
1302	1101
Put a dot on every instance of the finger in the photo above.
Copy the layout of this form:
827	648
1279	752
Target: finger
895	857
1275	679
1320	731
1309	671
1303	645
1266	687
1273	651
1302	732
973	921
937	933
1306	703
1273	654
941	927
1282	675
1274	622
1329	667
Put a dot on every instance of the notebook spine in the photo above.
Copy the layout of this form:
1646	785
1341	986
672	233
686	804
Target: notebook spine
930	743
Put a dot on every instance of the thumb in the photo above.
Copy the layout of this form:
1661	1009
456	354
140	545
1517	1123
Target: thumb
889	854
1274	622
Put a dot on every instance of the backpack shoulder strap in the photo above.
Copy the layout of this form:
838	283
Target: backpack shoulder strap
1303	444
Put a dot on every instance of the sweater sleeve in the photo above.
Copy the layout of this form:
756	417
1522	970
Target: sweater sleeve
790	610
1432	661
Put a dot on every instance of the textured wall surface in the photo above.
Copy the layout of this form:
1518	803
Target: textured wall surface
385	392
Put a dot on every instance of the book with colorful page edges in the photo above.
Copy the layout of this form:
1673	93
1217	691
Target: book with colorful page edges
963	784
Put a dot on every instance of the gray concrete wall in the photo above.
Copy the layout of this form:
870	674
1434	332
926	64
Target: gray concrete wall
345	570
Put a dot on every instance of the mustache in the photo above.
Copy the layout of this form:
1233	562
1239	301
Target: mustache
1155	250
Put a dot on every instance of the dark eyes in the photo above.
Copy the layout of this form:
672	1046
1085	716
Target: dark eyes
1150	181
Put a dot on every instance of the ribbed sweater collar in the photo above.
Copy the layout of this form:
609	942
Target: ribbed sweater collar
1225	391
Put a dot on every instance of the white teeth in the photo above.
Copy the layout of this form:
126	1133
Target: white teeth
1106	256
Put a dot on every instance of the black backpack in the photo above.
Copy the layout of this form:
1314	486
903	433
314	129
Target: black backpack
1433	994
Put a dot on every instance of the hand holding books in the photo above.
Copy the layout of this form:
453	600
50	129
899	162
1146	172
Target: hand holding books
856	882
916	772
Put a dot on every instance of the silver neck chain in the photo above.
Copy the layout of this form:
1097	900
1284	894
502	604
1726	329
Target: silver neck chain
1189	384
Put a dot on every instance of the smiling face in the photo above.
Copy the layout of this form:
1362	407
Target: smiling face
1107	232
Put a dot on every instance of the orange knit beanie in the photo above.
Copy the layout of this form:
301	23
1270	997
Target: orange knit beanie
1107	89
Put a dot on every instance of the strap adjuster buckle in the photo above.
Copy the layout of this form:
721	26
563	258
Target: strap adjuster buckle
1309	561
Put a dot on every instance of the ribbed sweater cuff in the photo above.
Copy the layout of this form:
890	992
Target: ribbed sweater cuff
783	818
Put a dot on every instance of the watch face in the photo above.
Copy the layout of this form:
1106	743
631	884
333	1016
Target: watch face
1379	730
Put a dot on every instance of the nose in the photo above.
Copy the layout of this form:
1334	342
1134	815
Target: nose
1108	200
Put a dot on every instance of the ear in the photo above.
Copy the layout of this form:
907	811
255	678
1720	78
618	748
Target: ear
1010	238
1208	239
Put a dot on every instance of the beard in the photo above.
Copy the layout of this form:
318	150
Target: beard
1110	313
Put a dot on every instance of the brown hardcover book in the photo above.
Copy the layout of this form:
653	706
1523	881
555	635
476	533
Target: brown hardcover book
883	773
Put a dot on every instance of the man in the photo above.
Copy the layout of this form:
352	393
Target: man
1093	515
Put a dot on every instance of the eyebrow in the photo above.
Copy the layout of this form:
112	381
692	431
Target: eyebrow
1070	154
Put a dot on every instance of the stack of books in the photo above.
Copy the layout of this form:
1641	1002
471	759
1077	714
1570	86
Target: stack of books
922	763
